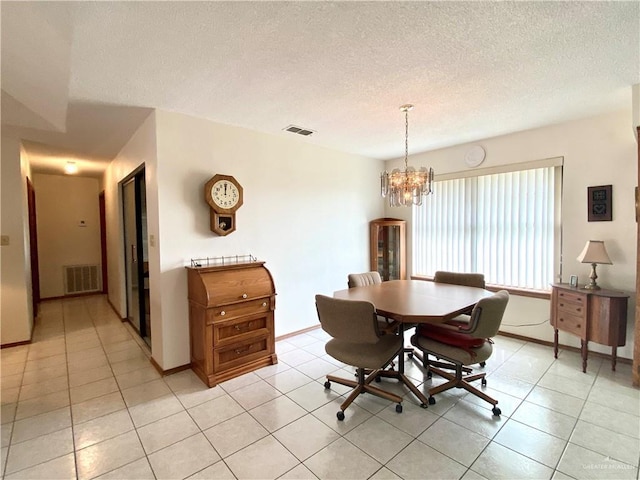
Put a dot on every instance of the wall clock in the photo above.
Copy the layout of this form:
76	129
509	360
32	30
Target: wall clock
474	156
223	193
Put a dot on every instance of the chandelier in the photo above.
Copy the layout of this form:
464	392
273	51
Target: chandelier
406	187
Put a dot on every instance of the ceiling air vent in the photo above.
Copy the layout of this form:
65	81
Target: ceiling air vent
299	130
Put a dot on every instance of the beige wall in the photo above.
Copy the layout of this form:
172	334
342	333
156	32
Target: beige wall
306	212
597	151
62	203
139	150
16	312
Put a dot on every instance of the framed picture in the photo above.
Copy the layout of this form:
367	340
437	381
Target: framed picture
574	281
599	203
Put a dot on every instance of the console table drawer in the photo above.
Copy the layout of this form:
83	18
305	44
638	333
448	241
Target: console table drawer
567	297
576	309
571	323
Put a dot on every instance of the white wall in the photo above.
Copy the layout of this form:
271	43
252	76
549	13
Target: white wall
139	150
305	213
16	311
597	151
62	202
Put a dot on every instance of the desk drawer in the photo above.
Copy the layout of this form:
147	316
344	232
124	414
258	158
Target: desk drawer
226	312
228	331
240	353
576	325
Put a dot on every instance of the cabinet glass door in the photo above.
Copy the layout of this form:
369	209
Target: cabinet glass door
387	249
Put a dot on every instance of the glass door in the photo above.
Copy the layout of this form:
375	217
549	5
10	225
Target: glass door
136	254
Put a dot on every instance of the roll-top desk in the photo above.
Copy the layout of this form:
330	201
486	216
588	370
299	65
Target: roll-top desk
231	320
598	316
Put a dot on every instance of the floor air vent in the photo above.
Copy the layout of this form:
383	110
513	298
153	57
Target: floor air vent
81	279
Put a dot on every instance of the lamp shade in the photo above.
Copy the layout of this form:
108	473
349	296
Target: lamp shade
594	252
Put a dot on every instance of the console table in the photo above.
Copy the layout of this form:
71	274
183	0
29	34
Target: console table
598	316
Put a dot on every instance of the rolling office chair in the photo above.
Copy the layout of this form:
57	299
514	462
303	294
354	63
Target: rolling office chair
386	325
357	341
372	278
456	278
463	347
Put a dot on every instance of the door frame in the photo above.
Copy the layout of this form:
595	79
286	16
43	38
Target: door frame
33	247
103	242
137	177
636	335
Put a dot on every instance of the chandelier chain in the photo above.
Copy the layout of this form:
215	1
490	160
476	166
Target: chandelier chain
406	138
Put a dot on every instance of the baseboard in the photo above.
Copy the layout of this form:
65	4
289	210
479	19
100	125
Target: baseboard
73	295
605	356
16	344
297	332
170	371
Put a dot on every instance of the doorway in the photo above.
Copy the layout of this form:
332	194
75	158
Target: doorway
134	204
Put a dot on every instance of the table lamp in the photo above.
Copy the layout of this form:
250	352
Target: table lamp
594	253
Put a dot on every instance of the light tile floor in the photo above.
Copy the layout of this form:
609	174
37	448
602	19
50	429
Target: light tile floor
83	401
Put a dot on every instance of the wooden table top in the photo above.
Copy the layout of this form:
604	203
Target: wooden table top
416	301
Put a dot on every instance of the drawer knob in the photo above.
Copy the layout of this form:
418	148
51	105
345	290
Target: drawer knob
223	313
237	327
264	304
244	295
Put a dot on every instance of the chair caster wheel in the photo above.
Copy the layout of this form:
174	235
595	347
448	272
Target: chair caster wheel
496	411
340	415
484	382
432	401
483	364
378	379
410	355
399	408
423	405
327	384
429	375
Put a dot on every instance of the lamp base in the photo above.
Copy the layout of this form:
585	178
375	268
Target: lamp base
592	285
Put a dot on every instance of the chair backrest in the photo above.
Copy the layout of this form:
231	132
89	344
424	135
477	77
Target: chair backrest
363	279
352	321
487	314
467	279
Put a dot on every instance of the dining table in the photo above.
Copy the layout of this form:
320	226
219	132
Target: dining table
410	302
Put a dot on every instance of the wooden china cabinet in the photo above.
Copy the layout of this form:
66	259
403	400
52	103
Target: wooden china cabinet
388	248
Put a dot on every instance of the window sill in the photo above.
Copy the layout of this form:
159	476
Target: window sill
521	292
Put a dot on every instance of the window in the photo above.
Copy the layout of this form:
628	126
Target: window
504	224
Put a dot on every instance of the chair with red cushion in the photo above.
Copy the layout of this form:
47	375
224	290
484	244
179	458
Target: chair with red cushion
464	346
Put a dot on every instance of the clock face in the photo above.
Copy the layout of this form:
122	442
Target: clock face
225	194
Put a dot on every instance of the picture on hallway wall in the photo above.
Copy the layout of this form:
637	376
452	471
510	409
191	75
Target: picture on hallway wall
599	203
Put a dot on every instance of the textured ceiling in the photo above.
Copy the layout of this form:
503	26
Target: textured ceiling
472	69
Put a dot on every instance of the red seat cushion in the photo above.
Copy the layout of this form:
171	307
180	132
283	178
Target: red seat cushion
449	336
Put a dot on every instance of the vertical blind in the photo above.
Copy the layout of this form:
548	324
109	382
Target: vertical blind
502	225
